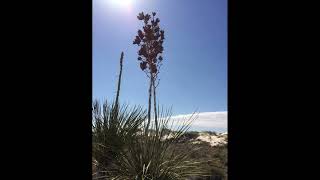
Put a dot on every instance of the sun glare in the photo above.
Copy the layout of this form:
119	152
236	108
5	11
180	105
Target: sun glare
126	4
122	2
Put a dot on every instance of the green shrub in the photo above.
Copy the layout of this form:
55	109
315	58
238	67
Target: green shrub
113	127
150	156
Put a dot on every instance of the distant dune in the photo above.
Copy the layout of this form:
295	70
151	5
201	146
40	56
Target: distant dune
207	121
214	139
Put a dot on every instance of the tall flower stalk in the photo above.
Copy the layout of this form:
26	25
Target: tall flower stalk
150	40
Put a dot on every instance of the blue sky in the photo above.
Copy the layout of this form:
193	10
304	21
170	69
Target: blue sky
194	72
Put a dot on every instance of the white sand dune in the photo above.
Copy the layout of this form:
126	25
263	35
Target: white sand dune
214	140
206	120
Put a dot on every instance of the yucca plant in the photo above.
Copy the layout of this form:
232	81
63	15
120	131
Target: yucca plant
152	154
113	127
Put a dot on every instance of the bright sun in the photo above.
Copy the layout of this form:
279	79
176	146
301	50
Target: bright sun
121	3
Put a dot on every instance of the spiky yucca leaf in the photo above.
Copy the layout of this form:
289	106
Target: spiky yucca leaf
113	126
152	156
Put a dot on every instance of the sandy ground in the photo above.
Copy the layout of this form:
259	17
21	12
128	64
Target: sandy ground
214	140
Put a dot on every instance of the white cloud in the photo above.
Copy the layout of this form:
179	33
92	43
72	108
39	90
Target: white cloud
207	120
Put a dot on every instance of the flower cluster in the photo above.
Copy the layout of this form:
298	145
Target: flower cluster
150	41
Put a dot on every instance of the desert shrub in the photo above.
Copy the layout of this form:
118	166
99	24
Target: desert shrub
149	156
191	134
213	160
113	127
212	133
